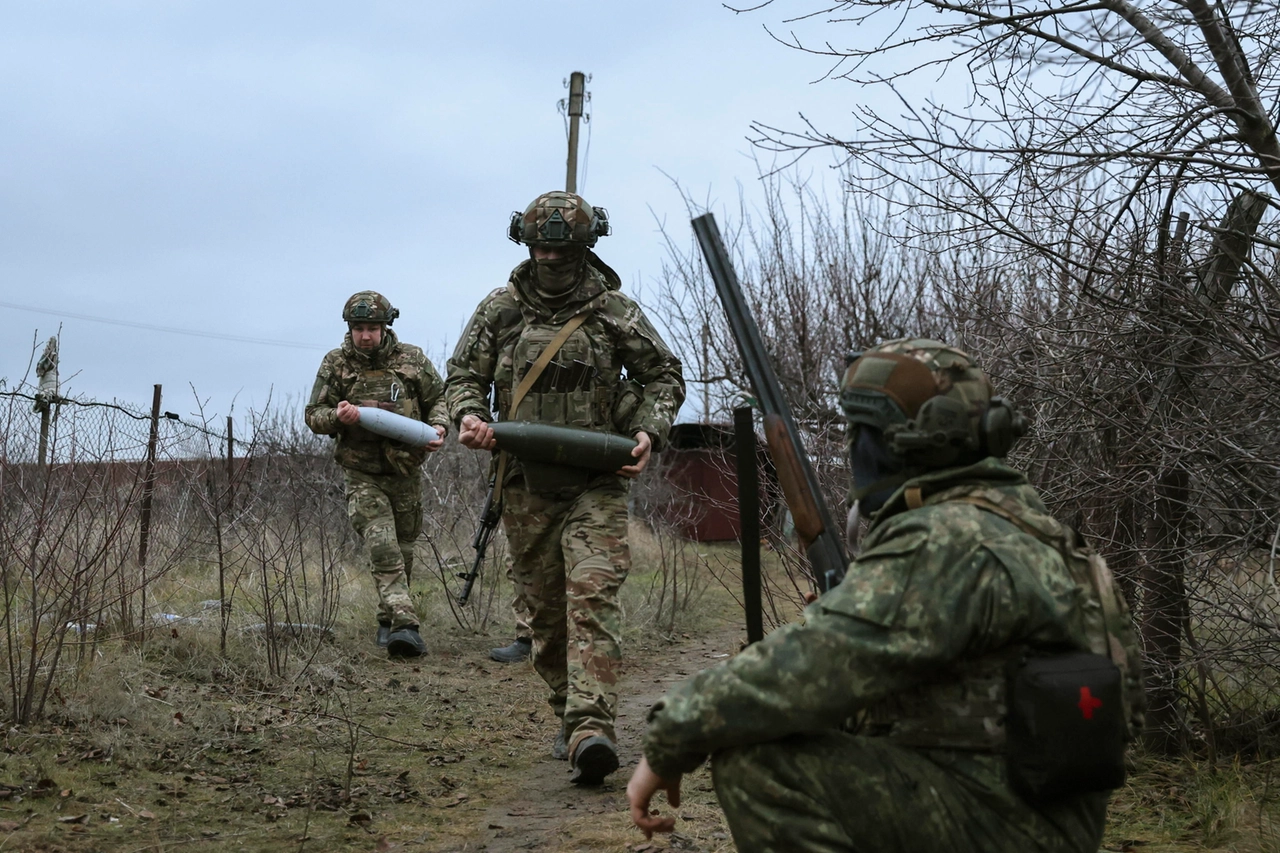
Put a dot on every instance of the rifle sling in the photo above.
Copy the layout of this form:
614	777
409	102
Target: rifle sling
527	383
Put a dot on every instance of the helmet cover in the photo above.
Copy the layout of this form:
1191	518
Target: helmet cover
369	306
559	219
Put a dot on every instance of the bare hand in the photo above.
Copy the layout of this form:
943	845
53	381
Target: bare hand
433	446
348	414
644	448
640	790
476	434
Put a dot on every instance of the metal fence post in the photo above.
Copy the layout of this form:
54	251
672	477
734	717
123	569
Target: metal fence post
148	490
744	433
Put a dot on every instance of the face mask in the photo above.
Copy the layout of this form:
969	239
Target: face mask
874	466
558	277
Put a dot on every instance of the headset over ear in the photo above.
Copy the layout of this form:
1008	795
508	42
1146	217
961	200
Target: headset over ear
1000	427
559	219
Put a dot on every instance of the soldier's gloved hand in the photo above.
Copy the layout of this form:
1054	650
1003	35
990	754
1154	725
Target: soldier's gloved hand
433	446
640	790
644	448
348	414
476	434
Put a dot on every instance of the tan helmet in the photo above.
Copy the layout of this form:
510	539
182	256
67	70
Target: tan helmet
369	306
559	218
933	403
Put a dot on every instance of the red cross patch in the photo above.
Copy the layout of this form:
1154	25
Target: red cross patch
1088	703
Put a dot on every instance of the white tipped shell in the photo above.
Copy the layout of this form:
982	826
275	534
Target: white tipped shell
391	425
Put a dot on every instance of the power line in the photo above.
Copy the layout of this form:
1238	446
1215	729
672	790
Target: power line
172	330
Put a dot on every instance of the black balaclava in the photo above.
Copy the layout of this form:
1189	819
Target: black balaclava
874	466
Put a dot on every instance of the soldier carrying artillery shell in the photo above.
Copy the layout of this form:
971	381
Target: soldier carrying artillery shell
554	344
374	370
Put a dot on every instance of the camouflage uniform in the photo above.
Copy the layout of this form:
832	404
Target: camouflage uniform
878	722
383	477
567	528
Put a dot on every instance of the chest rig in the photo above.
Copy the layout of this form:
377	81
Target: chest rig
577	388
389	389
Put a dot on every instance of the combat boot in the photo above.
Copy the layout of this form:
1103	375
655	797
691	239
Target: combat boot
595	758
384	632
519	649
405	643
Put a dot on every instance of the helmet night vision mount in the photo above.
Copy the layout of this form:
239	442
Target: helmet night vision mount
369	306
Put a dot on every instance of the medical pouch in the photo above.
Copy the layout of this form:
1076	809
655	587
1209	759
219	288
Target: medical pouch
1066	726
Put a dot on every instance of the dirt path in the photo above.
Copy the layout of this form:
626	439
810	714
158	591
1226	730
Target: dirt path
542	802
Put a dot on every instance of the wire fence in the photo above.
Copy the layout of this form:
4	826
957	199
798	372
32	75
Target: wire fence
79	430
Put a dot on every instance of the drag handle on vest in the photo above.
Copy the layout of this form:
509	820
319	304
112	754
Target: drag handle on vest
390	425
490	515
571	447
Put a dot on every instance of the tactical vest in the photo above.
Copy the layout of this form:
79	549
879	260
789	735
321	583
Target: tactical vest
578	388
967	707
395	391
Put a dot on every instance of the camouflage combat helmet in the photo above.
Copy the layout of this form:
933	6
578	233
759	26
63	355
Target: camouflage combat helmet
369	306
934	404
559	219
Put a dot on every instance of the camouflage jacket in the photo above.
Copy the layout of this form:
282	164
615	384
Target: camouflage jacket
398	377
584	384
912	644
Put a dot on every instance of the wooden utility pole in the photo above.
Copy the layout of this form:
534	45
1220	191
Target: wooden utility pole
577	86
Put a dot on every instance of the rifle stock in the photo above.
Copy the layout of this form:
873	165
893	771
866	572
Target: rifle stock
804	511
818	534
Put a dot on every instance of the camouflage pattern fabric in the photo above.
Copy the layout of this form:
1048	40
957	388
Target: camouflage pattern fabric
902	652
568	545
839	792
519	607
559	218
396	377
569	557
386	512
383	477
616	336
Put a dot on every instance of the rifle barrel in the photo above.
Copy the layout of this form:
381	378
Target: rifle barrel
826	552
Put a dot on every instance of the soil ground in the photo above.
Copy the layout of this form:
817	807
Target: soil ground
178	746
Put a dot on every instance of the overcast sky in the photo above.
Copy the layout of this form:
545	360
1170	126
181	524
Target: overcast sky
241	168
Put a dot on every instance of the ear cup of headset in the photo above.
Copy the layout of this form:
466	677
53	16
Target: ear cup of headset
515	226
601	227
1001	426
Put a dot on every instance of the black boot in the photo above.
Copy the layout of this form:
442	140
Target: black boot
595	758
519	649
384	632
405	643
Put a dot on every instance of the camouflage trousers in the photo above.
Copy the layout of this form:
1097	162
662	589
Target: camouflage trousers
519	608
839	792
568	558
386	512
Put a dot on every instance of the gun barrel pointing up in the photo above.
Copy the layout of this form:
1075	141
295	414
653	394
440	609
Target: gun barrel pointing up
820	534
